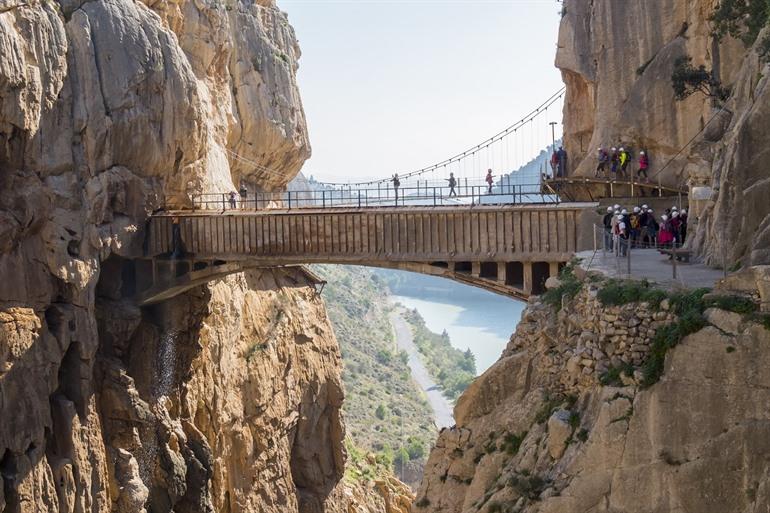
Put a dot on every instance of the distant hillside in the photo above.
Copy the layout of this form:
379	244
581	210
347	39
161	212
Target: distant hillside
385	411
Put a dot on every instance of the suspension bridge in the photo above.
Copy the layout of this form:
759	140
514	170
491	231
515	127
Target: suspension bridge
484	217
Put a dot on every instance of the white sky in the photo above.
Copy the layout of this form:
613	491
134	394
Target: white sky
394	85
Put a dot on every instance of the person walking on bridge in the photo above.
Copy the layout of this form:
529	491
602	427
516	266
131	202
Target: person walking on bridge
562	169
233	202
554	163
624	161
396	185
614	160
490	179
644	165
607	222
452	184
603	158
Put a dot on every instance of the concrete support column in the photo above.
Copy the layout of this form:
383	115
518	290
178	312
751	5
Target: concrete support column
475	269
501	276
553	269
528	278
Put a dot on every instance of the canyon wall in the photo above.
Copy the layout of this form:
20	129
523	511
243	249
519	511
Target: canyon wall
617	59
583	414
225	399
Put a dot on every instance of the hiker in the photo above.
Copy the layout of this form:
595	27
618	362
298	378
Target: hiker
244	193
233	202
490	180
607	222
452	184
676	228
621	232
666	234
176	239
643	231
554	163
652	228
683	228
644	165
562	167
603	158
624	159
396	185
614	161
634	227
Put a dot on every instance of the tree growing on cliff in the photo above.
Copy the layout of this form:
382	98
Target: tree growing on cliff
741	19
688	80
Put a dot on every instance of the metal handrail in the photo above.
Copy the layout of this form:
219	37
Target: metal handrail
422	194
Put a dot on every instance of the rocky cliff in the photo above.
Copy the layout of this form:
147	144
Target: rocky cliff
617	59
617	397
225	399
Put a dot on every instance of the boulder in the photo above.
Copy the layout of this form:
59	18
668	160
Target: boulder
559	431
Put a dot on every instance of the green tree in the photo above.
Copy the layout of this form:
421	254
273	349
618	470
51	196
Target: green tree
381	412
741	19
688	80
416	450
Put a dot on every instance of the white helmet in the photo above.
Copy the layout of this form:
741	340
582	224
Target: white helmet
684	211
624	211
620	216
641	153
674	214
674	207
636	210
645	207
649	210
622	149
614	149
616	207
664	217
609	209
600	148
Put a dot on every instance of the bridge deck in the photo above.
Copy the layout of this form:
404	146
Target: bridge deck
405	234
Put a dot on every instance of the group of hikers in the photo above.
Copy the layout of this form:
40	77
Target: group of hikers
559	162
451	181
624	230
617	162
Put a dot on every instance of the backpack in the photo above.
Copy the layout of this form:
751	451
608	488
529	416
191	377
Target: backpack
635	222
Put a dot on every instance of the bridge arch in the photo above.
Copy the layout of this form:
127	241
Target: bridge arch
507	249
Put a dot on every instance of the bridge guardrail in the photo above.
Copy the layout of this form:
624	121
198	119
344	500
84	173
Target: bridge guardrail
421	194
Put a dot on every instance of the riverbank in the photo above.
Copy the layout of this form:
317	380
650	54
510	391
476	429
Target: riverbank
440	405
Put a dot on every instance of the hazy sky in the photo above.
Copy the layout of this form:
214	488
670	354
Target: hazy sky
394	85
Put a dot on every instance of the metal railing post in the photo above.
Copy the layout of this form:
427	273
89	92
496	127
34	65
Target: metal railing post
595	246
288	193
323	198
434	196
673	257
628	256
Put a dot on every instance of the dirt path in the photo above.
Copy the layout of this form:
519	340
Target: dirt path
442	409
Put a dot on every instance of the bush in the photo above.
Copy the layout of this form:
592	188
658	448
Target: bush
570	286
512	442
381	412
737	304
622	292
612	376
422	503
528	486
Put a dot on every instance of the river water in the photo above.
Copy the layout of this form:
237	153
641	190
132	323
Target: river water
480	321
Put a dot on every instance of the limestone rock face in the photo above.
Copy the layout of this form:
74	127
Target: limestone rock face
530	441
617	59
226	399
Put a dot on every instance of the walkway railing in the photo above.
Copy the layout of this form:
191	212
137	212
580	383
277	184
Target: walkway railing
614	187
622	249
504	192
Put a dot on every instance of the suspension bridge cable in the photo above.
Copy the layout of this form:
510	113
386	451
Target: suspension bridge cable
542	108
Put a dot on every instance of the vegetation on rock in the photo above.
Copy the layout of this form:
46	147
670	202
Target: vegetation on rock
452	368
385	411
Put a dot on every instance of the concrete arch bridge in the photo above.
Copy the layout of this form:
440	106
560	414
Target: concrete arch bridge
507	249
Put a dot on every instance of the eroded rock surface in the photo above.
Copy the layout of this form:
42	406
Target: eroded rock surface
531	439
225	399
617	60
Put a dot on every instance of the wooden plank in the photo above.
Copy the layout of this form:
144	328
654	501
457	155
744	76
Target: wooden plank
403	234
526	231
508	232
499	234
441	226
475	233
419	235
452	233
388	230
328	234
561	231
545	232
379	228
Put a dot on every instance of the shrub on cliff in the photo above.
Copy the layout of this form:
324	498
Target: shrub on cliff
741	19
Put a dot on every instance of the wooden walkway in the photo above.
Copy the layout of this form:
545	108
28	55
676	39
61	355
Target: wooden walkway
505	248
591	189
